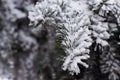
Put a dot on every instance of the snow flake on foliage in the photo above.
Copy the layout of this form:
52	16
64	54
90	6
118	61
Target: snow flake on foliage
100	31
110	65
72	65
77	45
77	40
107	6
75	21
44	11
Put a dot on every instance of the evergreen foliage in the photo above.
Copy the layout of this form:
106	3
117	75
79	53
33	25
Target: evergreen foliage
83	24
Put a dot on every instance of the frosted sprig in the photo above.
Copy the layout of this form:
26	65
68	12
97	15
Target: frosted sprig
75	23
